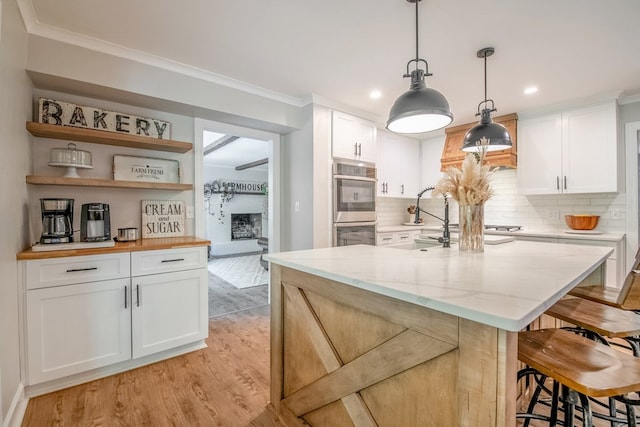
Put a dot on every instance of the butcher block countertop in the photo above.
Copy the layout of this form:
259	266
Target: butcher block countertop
134	246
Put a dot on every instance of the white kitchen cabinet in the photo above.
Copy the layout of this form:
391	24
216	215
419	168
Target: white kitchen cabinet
398	165
75	328
169	310
391	238
560	153
615	271
430	155
82	313
353	138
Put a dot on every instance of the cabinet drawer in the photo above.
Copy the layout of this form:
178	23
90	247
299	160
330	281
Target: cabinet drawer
163	261
44	273
385	239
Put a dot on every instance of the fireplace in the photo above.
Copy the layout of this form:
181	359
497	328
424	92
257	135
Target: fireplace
246	226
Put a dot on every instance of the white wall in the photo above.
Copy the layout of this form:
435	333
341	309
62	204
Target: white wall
15	110
124	204
218	229
297	187
510	208
95	73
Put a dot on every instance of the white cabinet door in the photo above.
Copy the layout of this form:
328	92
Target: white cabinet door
75	328
168	310
430	155
398	165
353	138
563	153
589	143
540	155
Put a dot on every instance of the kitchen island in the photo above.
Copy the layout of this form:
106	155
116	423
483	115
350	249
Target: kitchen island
375	336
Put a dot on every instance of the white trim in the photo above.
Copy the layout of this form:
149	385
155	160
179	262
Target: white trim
17	409
632	144
200	125
629	99
37	28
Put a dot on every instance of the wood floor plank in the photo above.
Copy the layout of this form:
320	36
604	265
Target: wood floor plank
226	385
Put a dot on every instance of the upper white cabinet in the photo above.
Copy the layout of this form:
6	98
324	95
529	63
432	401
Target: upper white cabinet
353	138
430	153
398	165
561	153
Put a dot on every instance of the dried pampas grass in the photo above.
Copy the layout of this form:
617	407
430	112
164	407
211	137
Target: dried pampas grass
469	185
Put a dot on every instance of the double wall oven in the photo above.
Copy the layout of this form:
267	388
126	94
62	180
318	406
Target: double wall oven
354	203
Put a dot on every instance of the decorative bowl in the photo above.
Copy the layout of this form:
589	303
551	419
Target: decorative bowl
582	222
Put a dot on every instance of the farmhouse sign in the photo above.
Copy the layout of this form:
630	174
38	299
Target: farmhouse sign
148	169
238	187
163	218
66	114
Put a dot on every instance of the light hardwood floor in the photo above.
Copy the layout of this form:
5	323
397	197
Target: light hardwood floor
226	384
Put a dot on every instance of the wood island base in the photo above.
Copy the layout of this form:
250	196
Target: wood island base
344	356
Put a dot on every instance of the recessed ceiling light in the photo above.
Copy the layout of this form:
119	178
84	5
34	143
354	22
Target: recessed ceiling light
530	90
375	94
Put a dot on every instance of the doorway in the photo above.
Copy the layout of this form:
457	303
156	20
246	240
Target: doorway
235	209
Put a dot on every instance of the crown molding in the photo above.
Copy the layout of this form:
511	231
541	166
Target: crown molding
37	28
630	98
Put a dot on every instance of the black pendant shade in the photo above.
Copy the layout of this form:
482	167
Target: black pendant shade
420	109
497	135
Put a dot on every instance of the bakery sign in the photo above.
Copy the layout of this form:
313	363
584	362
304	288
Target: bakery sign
67	114
163	218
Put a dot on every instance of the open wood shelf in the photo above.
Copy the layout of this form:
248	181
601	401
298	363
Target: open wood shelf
68	133
106	183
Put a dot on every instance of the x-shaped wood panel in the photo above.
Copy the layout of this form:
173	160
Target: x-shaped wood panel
343	381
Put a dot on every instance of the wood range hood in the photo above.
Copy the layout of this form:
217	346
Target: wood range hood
452	155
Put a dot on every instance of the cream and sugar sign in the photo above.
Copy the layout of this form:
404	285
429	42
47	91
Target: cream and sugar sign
163	218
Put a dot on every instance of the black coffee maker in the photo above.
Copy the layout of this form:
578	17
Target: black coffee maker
95	222
57	220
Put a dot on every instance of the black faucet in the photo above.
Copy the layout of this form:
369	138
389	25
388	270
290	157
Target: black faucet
445	239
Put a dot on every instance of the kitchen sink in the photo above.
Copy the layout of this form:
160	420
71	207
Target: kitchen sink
410	246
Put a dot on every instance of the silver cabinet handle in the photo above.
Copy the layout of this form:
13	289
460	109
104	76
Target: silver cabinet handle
355	149
402	189
173	260
565	182
359	149
558	183
73	270
125	296
138	295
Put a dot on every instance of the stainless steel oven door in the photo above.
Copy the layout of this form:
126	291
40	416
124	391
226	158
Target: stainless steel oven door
354	199
356	233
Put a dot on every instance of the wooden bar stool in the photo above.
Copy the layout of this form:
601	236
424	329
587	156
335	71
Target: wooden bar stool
583	368
599	320
626	298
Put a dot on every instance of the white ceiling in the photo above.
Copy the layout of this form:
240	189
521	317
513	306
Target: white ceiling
342	49
239	152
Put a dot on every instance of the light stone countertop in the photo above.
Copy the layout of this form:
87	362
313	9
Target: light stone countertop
526	232
506	286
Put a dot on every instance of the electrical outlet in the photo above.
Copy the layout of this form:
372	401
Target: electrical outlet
615	213
296	207
189	212
553	213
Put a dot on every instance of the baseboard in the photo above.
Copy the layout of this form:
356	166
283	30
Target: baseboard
17	409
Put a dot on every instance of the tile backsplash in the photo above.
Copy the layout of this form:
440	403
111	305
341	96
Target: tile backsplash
507	207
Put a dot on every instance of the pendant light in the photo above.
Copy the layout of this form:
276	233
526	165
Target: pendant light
497	134
420	109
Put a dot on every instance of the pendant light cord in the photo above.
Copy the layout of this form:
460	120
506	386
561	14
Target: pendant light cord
485	77
417	51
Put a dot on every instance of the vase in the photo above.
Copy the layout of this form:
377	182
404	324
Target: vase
471	228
